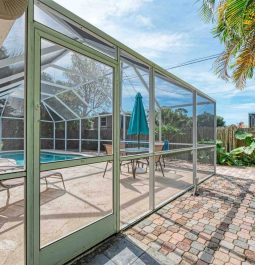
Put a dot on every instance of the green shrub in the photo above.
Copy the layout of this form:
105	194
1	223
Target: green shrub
241	156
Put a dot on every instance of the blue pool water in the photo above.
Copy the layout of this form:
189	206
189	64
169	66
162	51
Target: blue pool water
45	157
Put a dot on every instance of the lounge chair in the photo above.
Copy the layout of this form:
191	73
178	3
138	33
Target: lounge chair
9	164
5	187
13	183
52	174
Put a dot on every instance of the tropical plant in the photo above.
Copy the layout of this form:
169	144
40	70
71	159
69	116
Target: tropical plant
241	156
235	27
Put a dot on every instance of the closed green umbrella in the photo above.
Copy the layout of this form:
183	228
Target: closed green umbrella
138	123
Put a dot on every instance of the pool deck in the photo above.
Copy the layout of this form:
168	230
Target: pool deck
64	211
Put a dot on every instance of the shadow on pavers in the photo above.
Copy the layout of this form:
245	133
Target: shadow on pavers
123	250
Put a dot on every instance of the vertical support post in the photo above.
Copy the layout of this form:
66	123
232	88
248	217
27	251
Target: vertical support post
65	135
54	135
32	138
160	125
124	127
80	135
152	139
215	138
116	139
195	178
1	133
98	134
120	98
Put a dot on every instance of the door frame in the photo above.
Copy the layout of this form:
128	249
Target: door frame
84	238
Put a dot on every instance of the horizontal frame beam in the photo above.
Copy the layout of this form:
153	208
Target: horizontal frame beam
13	174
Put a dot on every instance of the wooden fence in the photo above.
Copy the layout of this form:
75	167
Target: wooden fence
227	136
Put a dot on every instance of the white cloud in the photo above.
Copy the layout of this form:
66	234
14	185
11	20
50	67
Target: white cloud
235	118
244	106
205	80
156	41
126	6
109	16
97	12
144	21
152	44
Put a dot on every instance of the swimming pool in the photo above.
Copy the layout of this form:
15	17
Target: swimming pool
45	157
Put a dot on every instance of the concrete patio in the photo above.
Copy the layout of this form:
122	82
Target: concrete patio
64	211
216	227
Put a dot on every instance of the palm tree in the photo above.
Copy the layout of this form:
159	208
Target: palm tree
235	27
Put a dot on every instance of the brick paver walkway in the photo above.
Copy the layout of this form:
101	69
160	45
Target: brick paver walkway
216	227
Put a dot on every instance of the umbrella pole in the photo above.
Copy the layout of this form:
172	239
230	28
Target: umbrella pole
138	138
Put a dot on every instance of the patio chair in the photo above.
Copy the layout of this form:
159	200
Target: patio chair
158	147
122	147
165	147
124	153
108	150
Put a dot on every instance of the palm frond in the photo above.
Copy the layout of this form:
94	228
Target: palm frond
245	63
236	13
221	65
235	28
207	10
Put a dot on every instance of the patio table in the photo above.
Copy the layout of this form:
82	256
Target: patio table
133	151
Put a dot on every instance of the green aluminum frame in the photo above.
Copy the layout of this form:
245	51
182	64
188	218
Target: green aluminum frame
105	226
74	244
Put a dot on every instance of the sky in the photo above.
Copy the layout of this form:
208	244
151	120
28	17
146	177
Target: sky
170	32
